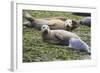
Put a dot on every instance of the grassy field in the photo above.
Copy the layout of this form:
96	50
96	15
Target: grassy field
35	50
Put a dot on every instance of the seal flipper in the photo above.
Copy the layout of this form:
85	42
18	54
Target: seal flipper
79	44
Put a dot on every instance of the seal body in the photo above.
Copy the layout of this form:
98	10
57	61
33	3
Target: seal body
56	36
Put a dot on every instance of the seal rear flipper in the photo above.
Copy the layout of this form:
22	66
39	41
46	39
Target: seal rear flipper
80	45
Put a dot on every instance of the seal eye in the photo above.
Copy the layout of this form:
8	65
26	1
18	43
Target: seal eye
43	27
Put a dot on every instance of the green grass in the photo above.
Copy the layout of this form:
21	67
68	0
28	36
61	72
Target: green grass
35	50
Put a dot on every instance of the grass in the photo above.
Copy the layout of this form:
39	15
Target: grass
35	50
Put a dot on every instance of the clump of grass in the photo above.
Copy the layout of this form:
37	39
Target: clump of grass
35	50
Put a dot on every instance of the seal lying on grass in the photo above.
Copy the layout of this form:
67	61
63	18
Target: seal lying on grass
54	22
63	37
86	21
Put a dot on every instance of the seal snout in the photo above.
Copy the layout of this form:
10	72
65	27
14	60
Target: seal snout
45	31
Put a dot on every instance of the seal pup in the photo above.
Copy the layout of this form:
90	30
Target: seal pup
53	23
62	37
